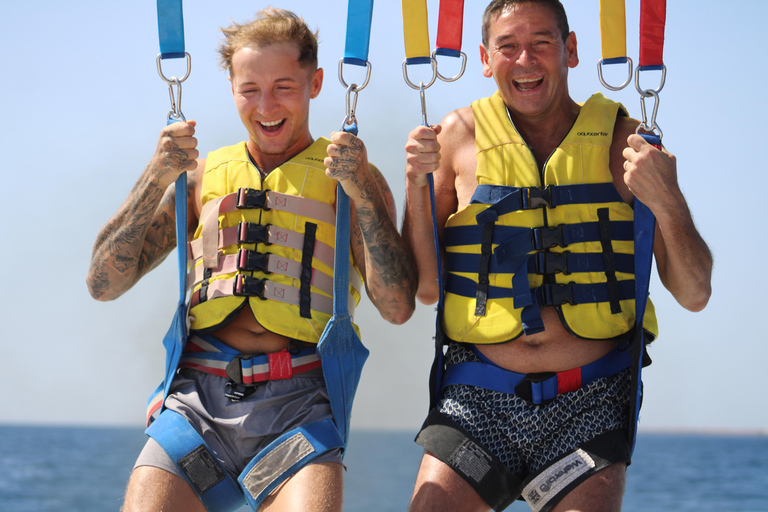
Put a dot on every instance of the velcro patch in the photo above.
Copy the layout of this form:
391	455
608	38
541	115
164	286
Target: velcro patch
202	469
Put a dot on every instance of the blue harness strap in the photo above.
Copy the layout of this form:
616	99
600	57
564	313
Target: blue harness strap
285	456
217	490
645	228
171	32
488	375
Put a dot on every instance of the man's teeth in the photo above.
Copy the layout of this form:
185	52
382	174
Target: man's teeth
271	123
527	83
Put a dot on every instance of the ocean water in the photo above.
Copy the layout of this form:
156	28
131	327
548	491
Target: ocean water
85	470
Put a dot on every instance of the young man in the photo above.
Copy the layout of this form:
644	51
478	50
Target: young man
272	65
489	442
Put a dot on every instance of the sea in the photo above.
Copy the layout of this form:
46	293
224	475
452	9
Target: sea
77	469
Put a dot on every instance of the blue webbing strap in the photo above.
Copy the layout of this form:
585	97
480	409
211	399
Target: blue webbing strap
340	350
294	449
645	226
170	26
171	33
187	449
359	17
489	376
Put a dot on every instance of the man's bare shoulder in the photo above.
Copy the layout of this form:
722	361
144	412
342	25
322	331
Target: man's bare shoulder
459	124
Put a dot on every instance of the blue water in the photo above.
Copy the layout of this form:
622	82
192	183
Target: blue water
85	470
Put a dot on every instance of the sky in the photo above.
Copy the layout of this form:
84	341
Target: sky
82	107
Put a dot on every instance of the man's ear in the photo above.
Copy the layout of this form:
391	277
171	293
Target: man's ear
316	83
485	58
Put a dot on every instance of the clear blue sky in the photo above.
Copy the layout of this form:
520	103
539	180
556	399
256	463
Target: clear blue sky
82	106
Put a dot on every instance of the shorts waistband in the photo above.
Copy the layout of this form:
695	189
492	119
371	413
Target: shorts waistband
206	353
536	388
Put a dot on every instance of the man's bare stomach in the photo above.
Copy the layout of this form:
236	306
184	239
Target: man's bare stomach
553	350
247	335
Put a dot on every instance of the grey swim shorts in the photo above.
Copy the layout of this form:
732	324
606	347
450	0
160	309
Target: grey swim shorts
507	448
236	431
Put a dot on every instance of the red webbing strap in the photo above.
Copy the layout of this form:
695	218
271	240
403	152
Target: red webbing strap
653	18
449	27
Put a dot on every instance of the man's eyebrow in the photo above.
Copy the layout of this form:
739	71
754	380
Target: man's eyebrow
278	80
506	37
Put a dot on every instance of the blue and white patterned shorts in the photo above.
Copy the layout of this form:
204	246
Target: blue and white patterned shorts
531	440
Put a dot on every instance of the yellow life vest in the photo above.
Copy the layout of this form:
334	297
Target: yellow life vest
267	243
562	237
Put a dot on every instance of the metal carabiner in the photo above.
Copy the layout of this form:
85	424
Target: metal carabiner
175	112
421	85
463	57
600	64
642	91
653	126
423	98
365	82
351	100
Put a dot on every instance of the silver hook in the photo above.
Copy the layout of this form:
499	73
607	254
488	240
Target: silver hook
423	96
175	112
653	126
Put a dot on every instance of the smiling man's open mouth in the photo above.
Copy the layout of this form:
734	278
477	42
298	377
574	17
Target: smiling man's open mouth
527	84
272	126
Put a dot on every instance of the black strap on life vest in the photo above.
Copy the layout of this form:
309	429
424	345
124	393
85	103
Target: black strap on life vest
483	280
609	258
310	230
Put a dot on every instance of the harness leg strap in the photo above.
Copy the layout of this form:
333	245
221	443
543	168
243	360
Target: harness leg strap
285	456
217	490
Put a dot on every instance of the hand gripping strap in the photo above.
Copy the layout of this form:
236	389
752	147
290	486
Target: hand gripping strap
645	225
285	456
217	490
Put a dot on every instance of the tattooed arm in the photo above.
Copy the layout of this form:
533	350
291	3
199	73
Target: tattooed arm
389	272
143	231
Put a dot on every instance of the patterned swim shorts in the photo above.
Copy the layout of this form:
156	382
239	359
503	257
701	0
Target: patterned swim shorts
506	447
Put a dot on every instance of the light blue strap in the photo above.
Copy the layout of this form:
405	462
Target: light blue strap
170	27
293	450
187	449
171	32
359	17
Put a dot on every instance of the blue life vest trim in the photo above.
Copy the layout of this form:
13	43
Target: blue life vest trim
512	242
543	263
505	199
546	294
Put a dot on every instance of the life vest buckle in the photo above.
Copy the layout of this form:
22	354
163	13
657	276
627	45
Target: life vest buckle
548	263
558	294
537	388
247	286
538	198
253	261
252	233
547	237
249	198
